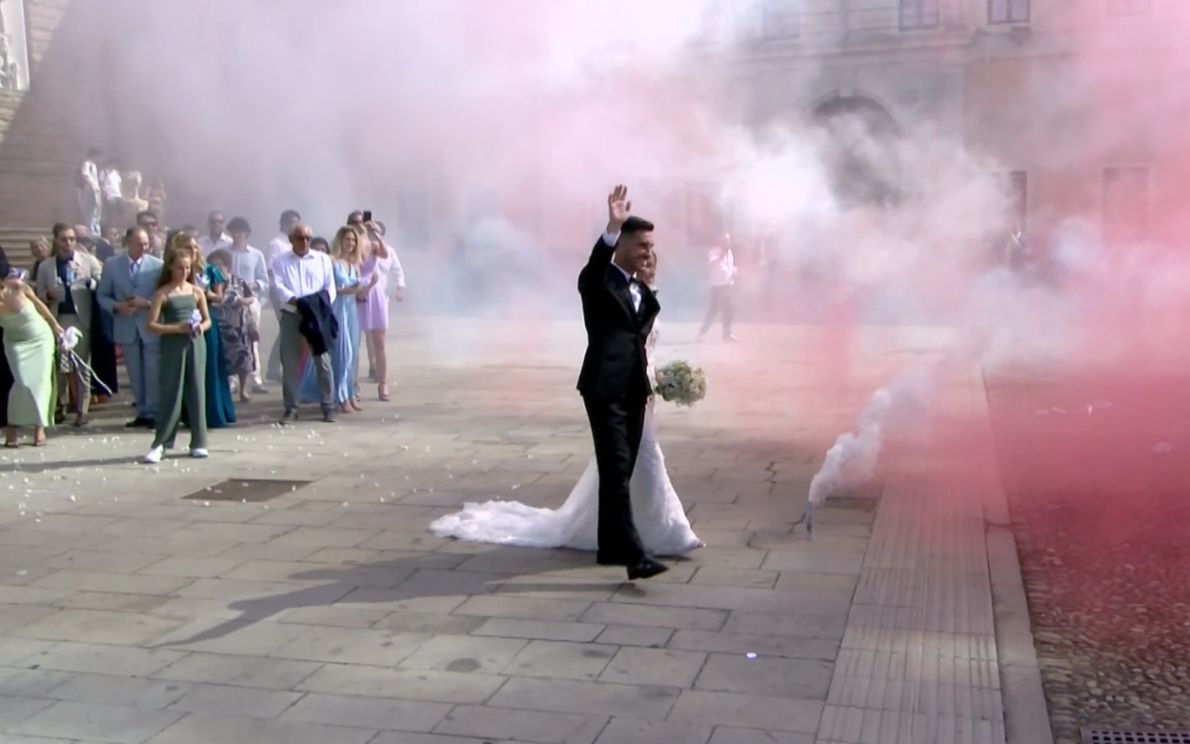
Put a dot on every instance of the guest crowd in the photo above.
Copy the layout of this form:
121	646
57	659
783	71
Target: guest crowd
183	312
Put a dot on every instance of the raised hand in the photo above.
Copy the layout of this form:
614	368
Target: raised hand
618	208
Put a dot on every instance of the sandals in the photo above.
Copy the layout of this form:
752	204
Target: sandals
382	390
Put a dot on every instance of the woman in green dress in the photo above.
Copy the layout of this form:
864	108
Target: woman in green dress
179	314
30	331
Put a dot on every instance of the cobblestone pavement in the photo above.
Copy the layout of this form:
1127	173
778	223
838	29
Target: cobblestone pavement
329	614
1096	473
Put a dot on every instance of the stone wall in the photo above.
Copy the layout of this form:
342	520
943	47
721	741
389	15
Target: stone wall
46	129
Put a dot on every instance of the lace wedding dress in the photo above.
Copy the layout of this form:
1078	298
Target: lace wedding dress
656	508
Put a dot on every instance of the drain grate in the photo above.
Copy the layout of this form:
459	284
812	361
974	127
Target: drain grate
1106	736
247	489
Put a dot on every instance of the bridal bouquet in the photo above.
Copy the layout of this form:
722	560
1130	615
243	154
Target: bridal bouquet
680	383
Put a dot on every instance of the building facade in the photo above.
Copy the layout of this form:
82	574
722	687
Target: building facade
1077	102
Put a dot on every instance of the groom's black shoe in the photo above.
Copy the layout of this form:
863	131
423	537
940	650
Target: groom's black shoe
646	568
610	559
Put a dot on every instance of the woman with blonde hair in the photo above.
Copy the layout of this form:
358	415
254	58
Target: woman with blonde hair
221	409
345	258
178	313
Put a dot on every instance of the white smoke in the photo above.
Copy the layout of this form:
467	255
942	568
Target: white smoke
851	461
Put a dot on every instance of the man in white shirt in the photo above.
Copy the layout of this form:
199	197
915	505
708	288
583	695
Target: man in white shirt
113	198
89	194
722	268
281	243
249	266
277	247
215	238
297	275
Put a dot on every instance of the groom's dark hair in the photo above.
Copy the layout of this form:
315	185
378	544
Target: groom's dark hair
635	225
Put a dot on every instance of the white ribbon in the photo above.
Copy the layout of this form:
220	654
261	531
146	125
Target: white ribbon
78	362
69	340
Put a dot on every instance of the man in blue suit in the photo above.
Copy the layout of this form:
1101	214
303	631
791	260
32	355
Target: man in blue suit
125	290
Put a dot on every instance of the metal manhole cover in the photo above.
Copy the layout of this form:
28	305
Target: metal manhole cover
247	489
1106	736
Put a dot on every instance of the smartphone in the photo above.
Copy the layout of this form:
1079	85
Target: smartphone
367	215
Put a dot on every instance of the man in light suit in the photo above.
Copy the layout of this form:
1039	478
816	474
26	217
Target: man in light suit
65	283
125	290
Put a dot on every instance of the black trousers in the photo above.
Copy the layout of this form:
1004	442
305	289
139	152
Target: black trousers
616	427
103	350
721	302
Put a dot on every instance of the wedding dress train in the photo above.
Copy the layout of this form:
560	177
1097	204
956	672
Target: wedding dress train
656	509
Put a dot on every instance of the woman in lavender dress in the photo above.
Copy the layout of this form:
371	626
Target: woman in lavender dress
379	261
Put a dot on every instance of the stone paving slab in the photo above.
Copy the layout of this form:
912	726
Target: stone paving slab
330	614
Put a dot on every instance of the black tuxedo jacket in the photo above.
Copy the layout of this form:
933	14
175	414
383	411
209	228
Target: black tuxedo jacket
615	364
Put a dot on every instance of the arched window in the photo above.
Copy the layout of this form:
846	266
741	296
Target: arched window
861	151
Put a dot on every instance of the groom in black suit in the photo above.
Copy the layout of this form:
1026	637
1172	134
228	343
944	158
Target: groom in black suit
618	312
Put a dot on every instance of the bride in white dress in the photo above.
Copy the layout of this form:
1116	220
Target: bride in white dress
656	509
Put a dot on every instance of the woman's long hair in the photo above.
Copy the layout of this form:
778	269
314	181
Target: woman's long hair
337	249
182	242
179	245
653	279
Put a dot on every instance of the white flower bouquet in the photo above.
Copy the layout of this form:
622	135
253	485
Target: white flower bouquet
680	383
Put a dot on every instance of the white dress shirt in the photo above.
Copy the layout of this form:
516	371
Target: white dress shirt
111	184
248	265
396	271
610	239
278	246
722	266
297	276
208	246
90	173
